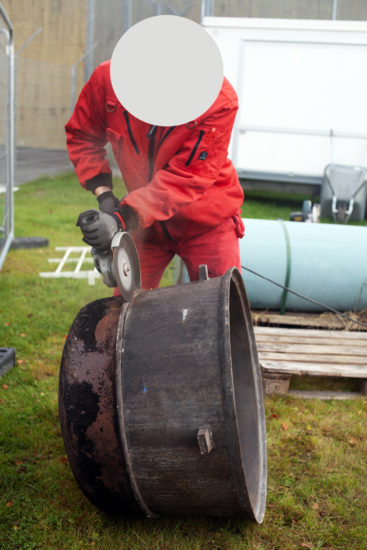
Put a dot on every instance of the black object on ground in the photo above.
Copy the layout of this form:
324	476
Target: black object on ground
7	359
28	242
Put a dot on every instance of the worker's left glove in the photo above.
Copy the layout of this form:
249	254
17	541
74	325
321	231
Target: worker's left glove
108	203
98	228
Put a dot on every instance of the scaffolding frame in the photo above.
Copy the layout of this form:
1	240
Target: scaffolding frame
7	227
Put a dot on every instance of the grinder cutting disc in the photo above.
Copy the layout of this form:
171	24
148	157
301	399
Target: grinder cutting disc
125	265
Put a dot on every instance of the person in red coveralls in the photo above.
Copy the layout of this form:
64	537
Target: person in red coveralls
184	196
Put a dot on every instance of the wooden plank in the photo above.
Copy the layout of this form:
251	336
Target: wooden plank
320	358
310	320
333	334
325	395
313	369
277	339
311	349
272	332
301	321
284	351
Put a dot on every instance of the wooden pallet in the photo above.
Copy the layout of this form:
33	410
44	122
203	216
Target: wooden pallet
325	320
284	352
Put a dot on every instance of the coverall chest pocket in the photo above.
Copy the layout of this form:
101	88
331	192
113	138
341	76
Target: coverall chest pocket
205	153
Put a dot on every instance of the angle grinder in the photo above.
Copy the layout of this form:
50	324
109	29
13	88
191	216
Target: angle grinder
119	264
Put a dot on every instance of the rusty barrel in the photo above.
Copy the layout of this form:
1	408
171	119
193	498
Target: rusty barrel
161	404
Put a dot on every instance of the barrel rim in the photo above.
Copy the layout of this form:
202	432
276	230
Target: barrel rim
256	509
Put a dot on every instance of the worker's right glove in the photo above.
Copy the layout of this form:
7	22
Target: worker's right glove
108	202
98	228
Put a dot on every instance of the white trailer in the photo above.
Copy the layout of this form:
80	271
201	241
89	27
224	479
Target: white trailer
302	88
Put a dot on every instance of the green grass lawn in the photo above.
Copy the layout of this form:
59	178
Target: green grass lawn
271	206
317	496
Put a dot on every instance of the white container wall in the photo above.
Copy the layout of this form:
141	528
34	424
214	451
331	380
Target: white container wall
302	94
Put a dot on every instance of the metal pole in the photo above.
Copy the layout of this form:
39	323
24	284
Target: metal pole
207	8
11	122
126	24
335	10
9	214
91	23
25	44
157	6
7	359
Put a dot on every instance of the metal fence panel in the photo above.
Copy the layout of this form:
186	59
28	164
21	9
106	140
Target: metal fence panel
113	17
47	86
290	9
6	134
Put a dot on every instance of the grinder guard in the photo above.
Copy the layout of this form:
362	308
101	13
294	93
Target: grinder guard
119	266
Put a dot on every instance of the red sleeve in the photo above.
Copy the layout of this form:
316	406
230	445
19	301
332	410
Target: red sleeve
86	131
189	173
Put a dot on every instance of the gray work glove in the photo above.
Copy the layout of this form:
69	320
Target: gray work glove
108	203
98	228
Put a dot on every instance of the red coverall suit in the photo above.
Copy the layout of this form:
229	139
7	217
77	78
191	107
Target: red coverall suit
183	189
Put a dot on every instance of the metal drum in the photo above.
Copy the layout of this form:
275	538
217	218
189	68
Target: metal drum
161	403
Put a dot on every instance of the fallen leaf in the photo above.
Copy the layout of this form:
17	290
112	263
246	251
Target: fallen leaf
284	426
2	401
8	504
308	427
5	387
352	442
7	324
307	545
273	416
22	334
315	506
63	459
21	361
15	527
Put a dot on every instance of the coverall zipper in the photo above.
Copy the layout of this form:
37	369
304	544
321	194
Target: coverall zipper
165	136
151	136
195	148
126	115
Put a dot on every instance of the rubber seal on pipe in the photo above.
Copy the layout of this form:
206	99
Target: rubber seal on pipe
288	268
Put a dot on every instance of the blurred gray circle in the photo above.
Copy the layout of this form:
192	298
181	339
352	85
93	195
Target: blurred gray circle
166	70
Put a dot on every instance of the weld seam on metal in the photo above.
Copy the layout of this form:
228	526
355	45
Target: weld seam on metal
120	415
288	269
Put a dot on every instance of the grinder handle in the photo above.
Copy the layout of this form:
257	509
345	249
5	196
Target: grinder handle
87	217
